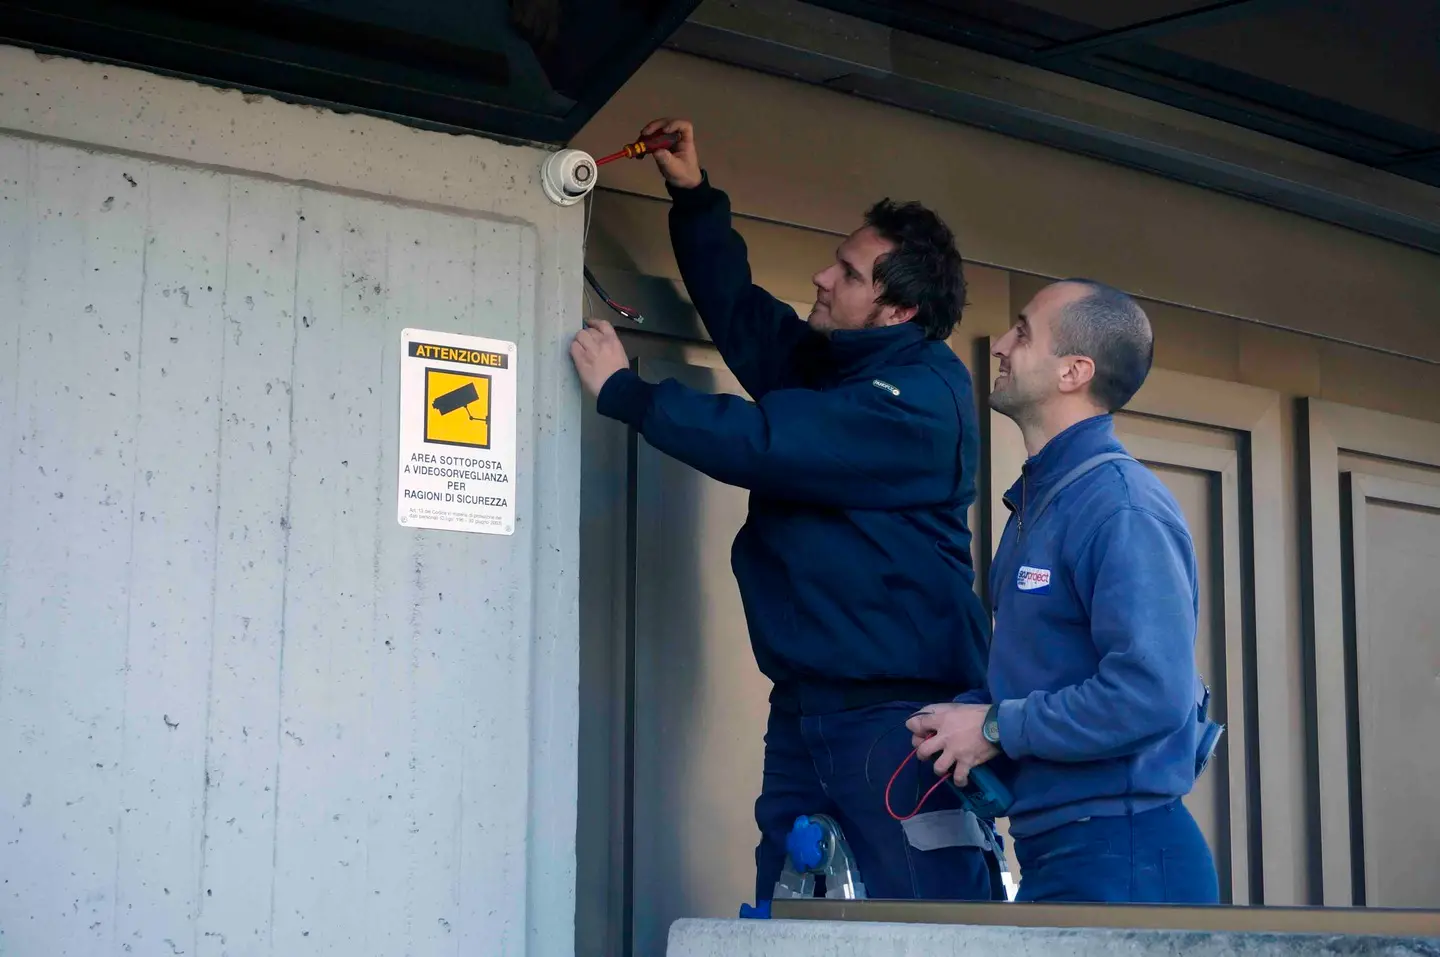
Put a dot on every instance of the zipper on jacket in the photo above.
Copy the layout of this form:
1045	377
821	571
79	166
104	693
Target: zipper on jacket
1020	519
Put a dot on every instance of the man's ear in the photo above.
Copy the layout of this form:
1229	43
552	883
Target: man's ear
1076	373
894	315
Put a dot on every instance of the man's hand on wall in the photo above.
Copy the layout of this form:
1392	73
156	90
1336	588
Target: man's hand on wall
680	166
597	354
953	735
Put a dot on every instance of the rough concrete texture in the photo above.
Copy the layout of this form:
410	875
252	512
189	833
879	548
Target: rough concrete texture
780	938
242	710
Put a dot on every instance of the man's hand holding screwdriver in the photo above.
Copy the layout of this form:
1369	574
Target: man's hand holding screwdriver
680	166
596	350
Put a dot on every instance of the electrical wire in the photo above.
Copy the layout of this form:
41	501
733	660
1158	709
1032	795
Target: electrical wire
585	251
632	314
873	744
591	282
921	803
896	775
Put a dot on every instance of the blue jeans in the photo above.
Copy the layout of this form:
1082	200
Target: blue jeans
816	764
1156	856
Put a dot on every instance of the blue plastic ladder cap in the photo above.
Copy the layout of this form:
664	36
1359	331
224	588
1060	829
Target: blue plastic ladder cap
804	843
760	911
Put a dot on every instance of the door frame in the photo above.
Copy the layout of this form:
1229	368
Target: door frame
1221	468
1328	430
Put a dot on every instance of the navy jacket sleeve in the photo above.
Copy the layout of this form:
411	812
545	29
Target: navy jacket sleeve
857	446
757	335
1138	573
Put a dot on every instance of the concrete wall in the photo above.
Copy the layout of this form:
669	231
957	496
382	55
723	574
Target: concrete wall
242	710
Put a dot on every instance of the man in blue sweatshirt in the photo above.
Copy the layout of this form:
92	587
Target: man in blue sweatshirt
858	443
1092	689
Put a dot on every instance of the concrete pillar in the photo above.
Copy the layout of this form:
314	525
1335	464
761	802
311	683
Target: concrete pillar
243	710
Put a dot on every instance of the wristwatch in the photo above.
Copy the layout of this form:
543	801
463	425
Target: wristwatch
991	727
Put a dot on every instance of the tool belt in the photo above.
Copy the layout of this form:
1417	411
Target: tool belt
811	696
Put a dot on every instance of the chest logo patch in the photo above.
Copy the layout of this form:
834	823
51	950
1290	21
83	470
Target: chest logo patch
1031	579
882	384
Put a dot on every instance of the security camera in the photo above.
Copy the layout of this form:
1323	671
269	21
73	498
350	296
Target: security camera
456	399
568	175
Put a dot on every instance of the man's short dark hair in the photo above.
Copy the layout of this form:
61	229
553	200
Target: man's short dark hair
1108	327
923	270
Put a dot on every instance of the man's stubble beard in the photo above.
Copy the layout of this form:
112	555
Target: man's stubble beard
872	321
1009	404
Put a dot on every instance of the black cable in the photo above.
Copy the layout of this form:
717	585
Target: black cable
883	735
632	314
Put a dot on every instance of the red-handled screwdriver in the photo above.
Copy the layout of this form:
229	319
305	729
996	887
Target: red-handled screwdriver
658	141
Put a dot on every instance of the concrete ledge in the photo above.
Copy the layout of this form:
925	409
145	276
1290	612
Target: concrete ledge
805	938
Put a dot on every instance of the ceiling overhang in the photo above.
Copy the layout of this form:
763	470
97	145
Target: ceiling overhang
1310	160
1329	108
526	70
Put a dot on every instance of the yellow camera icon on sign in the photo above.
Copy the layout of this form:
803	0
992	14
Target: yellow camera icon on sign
457	408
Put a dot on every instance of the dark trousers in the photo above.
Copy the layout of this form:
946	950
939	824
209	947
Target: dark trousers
1156	856
816	764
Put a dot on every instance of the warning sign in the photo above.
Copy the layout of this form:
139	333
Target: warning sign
457	432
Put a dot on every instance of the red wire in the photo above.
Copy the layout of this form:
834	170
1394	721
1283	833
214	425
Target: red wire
926	797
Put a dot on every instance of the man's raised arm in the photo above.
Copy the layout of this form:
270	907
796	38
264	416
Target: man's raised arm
756	334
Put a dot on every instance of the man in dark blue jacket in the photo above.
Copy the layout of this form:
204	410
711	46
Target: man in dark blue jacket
858	443
1092	692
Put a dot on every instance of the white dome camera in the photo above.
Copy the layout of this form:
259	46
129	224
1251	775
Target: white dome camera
568	175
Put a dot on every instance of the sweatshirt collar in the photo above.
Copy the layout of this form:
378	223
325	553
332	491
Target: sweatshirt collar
1063	452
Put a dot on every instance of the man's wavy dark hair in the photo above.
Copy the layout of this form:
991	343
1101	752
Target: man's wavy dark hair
923	270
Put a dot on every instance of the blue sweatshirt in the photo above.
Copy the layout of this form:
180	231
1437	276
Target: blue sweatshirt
1093	657
859	450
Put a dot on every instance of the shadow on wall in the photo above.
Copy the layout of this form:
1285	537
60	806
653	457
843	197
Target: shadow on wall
667	767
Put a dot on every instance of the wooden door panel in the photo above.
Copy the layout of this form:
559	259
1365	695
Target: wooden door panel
674	707
1203	479
700	701
1395	547
1374	484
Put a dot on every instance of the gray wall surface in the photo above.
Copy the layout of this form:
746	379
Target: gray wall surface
243	710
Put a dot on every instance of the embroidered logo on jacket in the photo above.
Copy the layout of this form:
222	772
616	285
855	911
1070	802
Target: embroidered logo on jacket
1033	579
882	384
